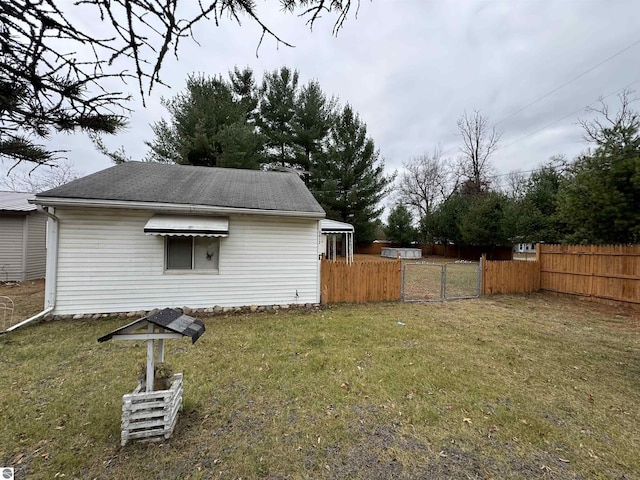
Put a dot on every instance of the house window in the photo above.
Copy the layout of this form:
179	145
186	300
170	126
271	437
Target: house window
192	253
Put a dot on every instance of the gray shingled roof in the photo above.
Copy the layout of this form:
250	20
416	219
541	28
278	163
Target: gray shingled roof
16	202
168	318
182	184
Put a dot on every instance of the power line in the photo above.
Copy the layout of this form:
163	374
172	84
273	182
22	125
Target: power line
618	157
516	171
569	81
620	90
555	90
567	116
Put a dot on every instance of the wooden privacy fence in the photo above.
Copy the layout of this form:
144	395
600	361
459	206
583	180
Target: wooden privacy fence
360	281
509	276
372	249
597	272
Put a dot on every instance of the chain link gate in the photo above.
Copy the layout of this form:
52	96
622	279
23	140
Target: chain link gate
433	282
422	282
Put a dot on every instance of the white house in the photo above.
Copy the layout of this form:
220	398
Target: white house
139	236
22	238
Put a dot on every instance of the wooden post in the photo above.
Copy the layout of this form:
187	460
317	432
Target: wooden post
591	267
160	355
483	274
335	246
149	385
537	252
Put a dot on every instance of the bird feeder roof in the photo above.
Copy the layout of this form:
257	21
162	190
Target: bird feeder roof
169	319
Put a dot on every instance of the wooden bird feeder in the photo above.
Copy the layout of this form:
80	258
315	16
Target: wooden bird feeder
147	414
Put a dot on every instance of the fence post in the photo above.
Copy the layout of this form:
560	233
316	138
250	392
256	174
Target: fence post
591	254
483	275
324	275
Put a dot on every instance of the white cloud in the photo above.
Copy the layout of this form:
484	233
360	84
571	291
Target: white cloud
410	68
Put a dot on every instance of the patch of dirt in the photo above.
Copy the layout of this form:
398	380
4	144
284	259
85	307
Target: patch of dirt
21	463
379	450
372	459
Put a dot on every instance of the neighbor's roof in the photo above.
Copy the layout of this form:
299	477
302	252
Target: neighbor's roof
16	202
189	185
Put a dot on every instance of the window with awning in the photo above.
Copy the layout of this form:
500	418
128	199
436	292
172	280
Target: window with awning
192	253
188	241
193	226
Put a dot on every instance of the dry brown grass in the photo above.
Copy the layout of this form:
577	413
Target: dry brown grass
28	298
513	386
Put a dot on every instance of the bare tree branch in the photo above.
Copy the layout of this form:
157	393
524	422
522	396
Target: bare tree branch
46	84
426	181
478	144
38	181
607	131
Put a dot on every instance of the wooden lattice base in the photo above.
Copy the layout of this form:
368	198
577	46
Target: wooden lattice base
149	415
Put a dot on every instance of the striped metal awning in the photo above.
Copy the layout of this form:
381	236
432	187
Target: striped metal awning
333	226
194	226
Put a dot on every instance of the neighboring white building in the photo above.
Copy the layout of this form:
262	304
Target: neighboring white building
140	236
525	248
22	238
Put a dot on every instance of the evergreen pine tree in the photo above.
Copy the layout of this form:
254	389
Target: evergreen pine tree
400	226
276	116
348	179
314	116
208	126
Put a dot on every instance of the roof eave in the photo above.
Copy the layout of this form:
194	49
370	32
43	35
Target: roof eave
168	207
16	212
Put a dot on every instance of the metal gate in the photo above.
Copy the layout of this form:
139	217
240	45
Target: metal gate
434	282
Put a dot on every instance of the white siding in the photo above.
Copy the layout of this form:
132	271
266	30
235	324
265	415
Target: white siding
11	248
107	264
36	254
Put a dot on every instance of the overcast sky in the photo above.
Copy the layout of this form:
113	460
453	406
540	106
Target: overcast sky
411	68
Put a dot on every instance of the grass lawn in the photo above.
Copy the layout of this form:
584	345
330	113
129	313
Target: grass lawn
500	387
423	280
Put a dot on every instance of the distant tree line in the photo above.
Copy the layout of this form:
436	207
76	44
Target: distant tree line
592	199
